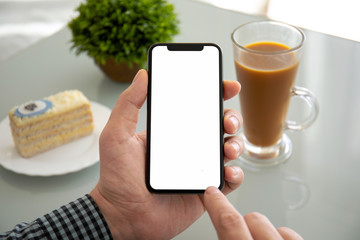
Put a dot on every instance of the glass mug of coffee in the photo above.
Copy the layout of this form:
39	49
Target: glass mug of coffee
267	55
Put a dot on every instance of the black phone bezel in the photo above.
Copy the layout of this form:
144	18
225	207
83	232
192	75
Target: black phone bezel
183	47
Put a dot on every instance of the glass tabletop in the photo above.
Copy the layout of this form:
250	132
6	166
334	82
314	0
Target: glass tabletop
316	192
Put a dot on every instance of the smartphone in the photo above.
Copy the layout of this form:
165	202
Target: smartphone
184	118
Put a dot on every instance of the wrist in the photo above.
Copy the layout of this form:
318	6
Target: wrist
117	224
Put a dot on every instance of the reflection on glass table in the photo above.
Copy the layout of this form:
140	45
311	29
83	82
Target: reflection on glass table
315	192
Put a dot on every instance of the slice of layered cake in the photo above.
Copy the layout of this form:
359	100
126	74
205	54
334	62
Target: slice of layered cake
41	125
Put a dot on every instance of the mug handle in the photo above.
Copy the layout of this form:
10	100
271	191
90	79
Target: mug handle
312	102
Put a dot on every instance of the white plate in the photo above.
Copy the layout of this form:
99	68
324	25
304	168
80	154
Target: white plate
71	157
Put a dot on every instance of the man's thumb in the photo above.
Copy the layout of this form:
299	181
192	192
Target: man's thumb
125	114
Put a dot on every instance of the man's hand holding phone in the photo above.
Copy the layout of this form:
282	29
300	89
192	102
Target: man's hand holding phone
130	210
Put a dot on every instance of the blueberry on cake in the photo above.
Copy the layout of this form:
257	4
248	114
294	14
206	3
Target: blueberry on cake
41	125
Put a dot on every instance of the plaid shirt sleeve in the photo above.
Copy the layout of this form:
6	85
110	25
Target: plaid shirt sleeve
80	219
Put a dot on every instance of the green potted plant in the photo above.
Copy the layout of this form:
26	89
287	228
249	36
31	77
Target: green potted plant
118	33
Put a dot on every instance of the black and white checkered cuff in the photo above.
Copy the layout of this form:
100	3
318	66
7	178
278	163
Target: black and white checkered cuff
80	219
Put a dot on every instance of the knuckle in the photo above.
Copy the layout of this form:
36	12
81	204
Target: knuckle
286	229
229	220
254	216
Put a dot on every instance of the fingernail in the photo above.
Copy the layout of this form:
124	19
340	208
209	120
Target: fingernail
136	76
237	147
212	190
235	121
236	170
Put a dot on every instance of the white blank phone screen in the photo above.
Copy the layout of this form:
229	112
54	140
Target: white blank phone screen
185	119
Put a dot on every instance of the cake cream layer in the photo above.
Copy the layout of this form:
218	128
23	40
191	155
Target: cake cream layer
31	150
41	134
51	122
